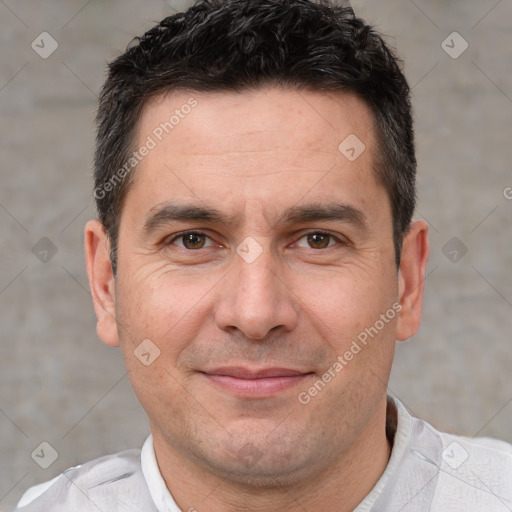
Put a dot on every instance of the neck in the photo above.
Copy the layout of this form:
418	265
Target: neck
339	487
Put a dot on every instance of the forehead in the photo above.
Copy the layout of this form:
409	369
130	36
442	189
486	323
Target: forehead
267	146
318	120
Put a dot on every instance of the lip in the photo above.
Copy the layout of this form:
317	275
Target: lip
253	383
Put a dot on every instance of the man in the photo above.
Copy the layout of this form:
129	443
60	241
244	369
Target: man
255	260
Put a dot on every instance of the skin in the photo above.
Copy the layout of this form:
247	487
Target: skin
298	305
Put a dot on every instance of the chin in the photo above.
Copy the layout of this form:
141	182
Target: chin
260	464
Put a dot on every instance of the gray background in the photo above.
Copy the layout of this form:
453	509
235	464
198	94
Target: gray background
60	384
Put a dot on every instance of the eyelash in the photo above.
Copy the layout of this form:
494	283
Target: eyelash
200	233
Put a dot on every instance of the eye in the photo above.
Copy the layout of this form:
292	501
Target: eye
191	240
318	240
195	240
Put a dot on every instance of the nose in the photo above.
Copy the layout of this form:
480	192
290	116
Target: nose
256	299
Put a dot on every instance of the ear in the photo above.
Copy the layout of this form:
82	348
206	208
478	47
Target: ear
101	281
411	279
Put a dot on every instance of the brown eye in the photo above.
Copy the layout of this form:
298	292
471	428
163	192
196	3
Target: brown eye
321	240
318	240
191	240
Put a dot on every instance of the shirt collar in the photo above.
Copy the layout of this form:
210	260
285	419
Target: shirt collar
156	484
398	431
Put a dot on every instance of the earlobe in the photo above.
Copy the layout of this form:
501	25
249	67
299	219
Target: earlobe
101	281
411	278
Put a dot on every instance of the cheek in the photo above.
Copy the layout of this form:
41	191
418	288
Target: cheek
160	317
347	315
162	308
343	303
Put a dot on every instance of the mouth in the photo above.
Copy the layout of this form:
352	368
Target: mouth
249	383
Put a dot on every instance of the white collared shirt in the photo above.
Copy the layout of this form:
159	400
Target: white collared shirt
428	471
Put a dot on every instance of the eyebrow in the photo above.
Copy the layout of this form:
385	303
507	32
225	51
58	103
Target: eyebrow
176	212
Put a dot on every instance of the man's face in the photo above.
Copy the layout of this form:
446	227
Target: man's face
261	286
